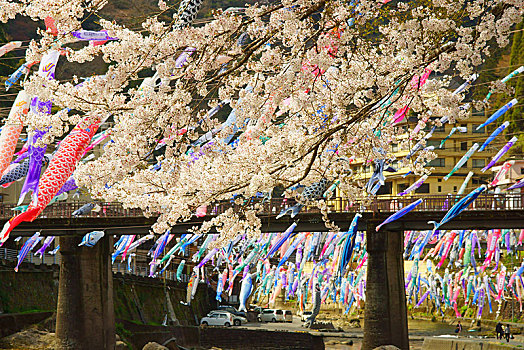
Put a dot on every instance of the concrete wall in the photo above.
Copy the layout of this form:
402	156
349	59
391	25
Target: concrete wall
464	344
232	338
138	299
228	338
143	300
34	290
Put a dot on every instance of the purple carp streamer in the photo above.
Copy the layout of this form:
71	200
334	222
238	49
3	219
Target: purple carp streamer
36	155
400	213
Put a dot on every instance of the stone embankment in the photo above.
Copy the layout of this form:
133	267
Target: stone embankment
220	337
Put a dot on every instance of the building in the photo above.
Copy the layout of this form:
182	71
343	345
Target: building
448	156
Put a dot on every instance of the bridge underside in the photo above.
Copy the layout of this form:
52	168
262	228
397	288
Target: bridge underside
307	222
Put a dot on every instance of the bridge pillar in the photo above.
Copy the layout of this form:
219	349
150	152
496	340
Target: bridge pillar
385	314
85	315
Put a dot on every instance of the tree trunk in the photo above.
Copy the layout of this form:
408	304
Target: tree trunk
385	315
85	316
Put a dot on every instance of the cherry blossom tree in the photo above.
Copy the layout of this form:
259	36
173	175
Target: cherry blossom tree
313	84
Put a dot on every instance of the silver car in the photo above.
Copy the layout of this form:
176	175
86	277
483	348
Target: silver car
237	320
271	315
288	316
268	315
217	319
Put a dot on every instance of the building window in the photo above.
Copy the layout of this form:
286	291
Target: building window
454	188
424	188
465	126
464	146
479	131
478	163
521	171
438	162
435	143
479	181
439	188
401	187
394	147
439	180
385	189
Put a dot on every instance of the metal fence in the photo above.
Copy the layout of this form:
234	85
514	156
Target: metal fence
66	209
48	259
384	204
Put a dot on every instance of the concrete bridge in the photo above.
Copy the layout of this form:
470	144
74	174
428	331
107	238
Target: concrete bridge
487	212
85	317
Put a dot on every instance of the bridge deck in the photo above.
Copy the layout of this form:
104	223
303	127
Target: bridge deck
488	211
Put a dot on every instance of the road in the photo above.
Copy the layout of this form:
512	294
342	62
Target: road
352	338
417	328
333	340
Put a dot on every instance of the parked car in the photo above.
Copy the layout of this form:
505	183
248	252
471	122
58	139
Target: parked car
305	316
237	320
259	309
218	319
288	316
280	315
232	310
271	315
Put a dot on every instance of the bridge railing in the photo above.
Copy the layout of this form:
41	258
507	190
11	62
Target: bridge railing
121	267
12	255
273	206
66	210
383	204
143	271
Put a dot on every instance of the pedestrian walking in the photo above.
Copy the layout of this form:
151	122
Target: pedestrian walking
499	330
458	329
507	333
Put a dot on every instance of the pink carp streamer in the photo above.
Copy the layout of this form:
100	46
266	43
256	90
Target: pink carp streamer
59	170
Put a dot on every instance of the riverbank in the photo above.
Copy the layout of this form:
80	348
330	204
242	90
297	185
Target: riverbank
423	334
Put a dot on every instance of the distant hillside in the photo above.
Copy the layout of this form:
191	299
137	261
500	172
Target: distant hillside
515	115
126	12
129	13
497	66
